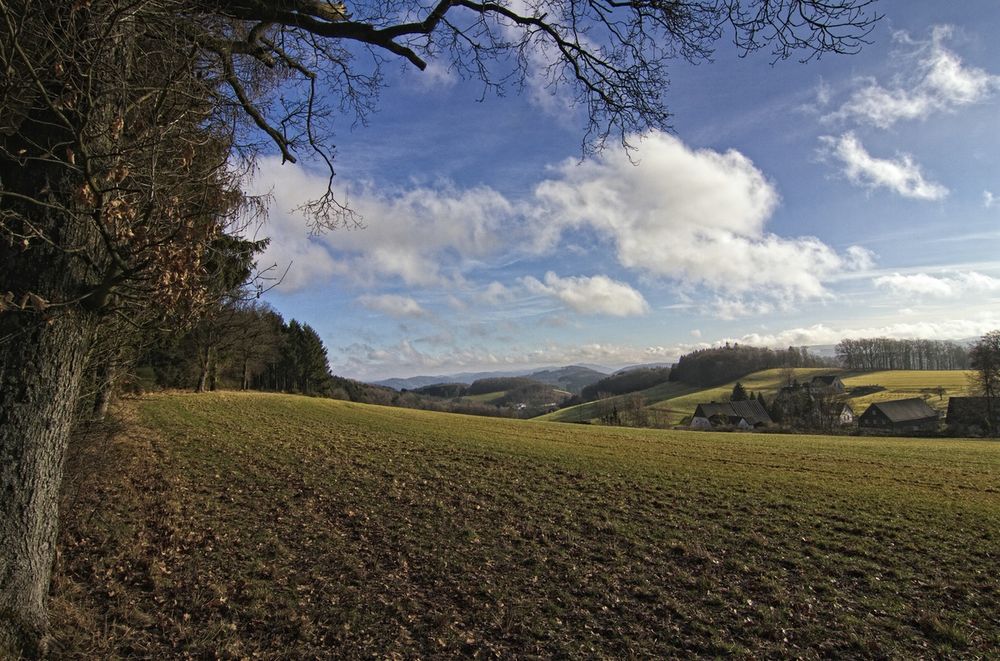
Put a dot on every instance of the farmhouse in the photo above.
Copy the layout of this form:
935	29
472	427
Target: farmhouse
744	414
972	413
826	384
901	415
841	413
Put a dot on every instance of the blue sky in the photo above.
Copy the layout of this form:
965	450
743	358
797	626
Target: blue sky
792	204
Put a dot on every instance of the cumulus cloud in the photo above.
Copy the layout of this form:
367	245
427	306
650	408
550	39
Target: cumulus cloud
393	305
421	236
939	81
697	217
945	285
598	294
694	215
989	199
902	175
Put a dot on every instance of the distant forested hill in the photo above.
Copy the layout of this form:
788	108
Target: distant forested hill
626	382
712	367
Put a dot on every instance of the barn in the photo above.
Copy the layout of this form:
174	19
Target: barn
743	414
826	384
972	414
899	416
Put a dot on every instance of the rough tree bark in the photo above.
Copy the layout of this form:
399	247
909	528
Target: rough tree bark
39	384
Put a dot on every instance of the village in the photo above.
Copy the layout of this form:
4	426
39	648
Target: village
820	405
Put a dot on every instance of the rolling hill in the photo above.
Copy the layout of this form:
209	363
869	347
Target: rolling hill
252	525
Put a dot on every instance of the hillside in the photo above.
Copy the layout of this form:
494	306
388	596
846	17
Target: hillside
245	525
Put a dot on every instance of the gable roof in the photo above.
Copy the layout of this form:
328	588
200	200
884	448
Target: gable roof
970	410
840	407
825	379
905	410
749	409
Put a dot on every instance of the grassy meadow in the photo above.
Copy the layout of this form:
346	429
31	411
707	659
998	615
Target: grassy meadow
266	526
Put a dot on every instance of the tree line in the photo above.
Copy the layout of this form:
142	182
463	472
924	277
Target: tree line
718	365
882	353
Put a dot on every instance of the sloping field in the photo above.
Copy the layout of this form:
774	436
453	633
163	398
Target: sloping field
766	381
936	386
244	525
591	410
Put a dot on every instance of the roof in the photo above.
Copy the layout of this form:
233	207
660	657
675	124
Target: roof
825	379
905	410
839	407
748	409
970	409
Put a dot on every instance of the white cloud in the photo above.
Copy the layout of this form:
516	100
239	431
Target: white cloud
697	216
495	293
393	305
598	294
940	81
953	329
989	199
421	236
902	176
946	285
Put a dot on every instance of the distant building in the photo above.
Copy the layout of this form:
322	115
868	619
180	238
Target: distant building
972	414
842	414
745	414
826	384
899	416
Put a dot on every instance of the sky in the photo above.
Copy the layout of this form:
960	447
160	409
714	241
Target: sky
791	204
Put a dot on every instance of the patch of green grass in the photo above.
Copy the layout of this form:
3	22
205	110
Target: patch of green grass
935	386
486	397
592	410
289	527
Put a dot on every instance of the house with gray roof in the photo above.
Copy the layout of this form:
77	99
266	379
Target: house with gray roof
899	416
744	414
826	384
973	414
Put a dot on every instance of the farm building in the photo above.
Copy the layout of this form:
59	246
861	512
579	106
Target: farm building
744	414
901	415
842	414
972	413
826	384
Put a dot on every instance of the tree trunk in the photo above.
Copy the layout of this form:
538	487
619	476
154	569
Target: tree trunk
105	384
204	368
39	383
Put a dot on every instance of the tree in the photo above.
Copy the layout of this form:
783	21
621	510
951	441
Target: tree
739	393
125	126
984	357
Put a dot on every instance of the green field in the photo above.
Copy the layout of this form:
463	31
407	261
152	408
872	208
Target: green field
591	410
243	525
678	401
902	384
484	398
